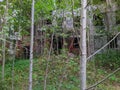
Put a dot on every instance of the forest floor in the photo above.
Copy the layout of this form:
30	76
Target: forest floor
63	74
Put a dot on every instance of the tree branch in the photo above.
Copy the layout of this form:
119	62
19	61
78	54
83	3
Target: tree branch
88	59
103	79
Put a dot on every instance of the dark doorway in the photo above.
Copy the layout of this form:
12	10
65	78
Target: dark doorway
76	42
26	51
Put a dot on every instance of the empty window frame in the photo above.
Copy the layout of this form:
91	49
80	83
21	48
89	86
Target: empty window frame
76	42
113	44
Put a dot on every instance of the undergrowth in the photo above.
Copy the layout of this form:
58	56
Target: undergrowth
63	73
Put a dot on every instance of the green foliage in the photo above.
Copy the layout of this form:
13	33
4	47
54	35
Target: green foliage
3	85
98	2
113	78
118	2
58	65
109	59
19	15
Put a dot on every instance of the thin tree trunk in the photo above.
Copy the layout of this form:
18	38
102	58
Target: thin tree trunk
109	15
13	63
31	47
83	45
49	53
4	42
3	62
47	65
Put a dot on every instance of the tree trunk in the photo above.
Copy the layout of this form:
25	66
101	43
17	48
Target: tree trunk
83	45
31	47
91	30
110	21
4	41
